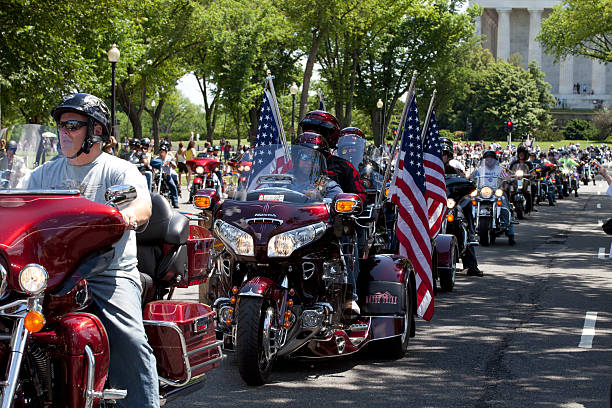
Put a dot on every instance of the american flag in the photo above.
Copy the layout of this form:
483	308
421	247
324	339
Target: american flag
408	193
269	154
434	178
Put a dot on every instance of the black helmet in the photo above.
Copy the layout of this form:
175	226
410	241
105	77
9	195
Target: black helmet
95	110
447	147
145	142
163	146
134	142
489	153
522	149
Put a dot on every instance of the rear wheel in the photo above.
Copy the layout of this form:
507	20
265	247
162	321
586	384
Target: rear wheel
396	347
447	276
483	230
254	340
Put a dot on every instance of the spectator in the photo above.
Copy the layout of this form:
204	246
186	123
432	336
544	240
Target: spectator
227	148
181	160
110	146
604	173
190	153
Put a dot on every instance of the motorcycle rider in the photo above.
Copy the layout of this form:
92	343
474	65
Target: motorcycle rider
145	159
12	167
488	175
167	172
83	126
522	162
469	258
319	143
305	163
338	169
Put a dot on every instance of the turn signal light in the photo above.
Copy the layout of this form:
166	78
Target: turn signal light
230	310
228	322
386	192
287	325
450	218
290	303
235	290
343	206
202	202
233	300
499	202
473	202
34	322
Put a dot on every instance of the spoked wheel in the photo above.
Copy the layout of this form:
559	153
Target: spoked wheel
254	333
447	276
396	347
483	231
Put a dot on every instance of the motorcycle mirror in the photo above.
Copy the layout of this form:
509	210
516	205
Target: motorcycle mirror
120	195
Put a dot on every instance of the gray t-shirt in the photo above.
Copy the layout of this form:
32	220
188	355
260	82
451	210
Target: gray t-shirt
92	180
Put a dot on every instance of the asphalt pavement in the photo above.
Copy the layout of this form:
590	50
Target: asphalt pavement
535	331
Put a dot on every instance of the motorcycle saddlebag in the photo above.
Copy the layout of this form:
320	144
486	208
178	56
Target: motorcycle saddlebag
182	335
199	246
383	298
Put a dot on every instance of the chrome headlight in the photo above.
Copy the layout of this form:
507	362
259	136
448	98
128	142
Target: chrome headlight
33	279
285	243
247	168
499	192
235	238
486	192
566	171
520	173
450	203
200	169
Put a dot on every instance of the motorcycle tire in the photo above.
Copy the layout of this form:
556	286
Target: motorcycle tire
586	182
520	214
483	231
492	236
447	276
593	180
395	347
255	317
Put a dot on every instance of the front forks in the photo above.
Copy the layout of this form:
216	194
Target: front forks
18	341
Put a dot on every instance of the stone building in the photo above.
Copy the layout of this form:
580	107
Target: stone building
510	27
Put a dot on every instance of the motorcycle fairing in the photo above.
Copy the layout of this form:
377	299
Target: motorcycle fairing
444	245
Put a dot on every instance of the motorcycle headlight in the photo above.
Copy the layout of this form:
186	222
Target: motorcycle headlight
474	193
486	192
240	168
283	245
200	169
499	192
565	171
520	173
247	168
235	238
450	203
33	279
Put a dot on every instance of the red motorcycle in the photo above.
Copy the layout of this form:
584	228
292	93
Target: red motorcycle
56	353
204	174
281	278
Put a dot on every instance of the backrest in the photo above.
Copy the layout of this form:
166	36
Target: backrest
166	226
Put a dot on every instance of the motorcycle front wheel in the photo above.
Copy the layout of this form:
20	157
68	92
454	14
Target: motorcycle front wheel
254	338
483	230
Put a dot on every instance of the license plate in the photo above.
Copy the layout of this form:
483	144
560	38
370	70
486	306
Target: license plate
271	197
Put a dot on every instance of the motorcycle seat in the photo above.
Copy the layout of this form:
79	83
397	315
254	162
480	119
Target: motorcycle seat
166	228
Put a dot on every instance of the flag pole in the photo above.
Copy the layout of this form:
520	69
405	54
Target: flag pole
428	117
398	136
270	84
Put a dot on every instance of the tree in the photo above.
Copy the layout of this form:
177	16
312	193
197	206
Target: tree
579	27
579	129
545	98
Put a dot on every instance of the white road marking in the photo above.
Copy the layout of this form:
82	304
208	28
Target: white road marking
602	253
588	331
598	205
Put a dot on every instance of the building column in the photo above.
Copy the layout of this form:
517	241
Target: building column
598	77
566	76
535	23
503	33
478	23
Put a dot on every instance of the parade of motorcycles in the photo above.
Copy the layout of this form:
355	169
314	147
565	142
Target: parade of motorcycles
373	257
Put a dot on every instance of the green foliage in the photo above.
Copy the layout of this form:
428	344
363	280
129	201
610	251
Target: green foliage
577	129
579	27
603	123
547	134
447	133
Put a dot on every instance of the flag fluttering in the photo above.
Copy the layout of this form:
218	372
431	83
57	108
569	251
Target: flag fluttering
435	184
408	193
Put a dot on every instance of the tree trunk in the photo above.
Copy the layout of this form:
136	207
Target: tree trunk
130	109
312	56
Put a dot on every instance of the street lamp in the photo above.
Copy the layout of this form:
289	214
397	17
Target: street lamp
293	90
380	105
113	58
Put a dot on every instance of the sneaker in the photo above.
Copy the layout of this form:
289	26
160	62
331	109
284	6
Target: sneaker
511	240
474	272
353	307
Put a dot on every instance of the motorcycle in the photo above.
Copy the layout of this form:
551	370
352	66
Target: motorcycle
545	186
204	175
455	223
55	352
519	191
282	273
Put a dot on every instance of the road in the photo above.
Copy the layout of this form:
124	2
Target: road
508	339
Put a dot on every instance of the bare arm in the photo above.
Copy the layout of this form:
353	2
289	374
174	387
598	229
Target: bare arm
136	213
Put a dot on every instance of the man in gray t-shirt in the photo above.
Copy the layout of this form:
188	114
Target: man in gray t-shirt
83	126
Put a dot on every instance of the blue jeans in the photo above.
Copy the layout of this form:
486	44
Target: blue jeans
505	216
149	176
172	182
117	304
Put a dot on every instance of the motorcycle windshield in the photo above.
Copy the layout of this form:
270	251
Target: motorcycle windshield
26	147
351	148
296	174
490	173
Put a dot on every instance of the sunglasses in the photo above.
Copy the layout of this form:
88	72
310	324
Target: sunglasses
71	125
